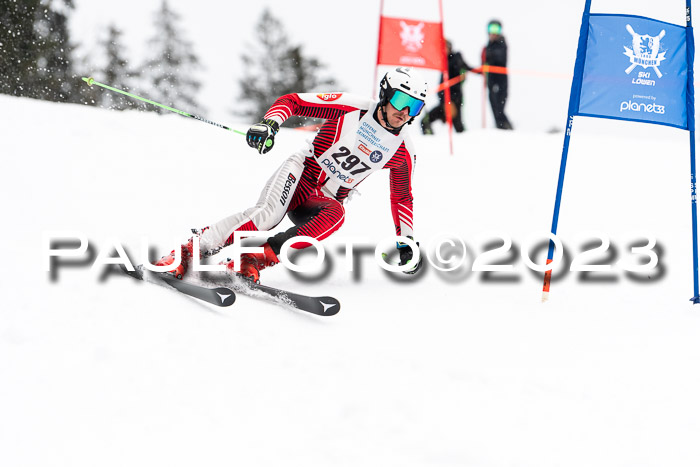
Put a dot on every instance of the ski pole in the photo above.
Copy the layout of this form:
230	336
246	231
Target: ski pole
91	81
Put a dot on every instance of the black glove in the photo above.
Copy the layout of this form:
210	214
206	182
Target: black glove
406	257
261	136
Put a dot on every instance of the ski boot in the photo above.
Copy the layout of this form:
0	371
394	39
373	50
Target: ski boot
185	260
253	263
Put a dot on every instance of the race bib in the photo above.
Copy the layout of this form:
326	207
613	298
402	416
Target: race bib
364	147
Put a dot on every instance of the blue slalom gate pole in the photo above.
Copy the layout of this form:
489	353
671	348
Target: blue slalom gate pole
690	50
574	100
694	209
557	206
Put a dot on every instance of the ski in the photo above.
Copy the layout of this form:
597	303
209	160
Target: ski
226	296
218	296
322	306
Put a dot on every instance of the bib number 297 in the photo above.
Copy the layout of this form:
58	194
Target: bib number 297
348	161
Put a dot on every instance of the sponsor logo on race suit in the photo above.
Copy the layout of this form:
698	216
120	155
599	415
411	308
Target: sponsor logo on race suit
329	96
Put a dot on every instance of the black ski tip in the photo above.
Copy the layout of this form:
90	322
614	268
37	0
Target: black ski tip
227	296
329	306
220	296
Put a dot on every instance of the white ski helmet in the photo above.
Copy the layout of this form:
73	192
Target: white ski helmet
408	82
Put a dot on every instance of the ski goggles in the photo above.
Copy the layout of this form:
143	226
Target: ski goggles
494	28
400	100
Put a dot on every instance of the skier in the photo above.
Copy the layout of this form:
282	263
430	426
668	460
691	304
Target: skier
456	66
359	137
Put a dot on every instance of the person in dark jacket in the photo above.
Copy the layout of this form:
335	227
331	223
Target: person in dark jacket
496	54
456	66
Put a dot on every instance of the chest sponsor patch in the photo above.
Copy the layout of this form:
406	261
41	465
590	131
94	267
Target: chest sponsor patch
329	96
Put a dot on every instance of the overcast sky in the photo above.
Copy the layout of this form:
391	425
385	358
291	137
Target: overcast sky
542	37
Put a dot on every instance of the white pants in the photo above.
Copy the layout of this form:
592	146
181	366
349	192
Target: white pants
267	213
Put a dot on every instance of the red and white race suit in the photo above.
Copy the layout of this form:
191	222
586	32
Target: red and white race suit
311	185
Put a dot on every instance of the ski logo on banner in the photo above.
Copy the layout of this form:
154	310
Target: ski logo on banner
412	36
645	51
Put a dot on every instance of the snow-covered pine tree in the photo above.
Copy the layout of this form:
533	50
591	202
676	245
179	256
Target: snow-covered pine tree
117	73
18	57
36	53
274	67
172	64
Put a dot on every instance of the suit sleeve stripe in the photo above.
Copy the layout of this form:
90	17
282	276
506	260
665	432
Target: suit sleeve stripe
401	166
292	104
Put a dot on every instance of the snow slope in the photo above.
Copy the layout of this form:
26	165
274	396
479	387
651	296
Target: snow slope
448	369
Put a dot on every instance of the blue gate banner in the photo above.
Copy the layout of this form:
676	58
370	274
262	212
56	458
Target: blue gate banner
635	69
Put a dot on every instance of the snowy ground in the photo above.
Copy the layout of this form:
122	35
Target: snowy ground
450	369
